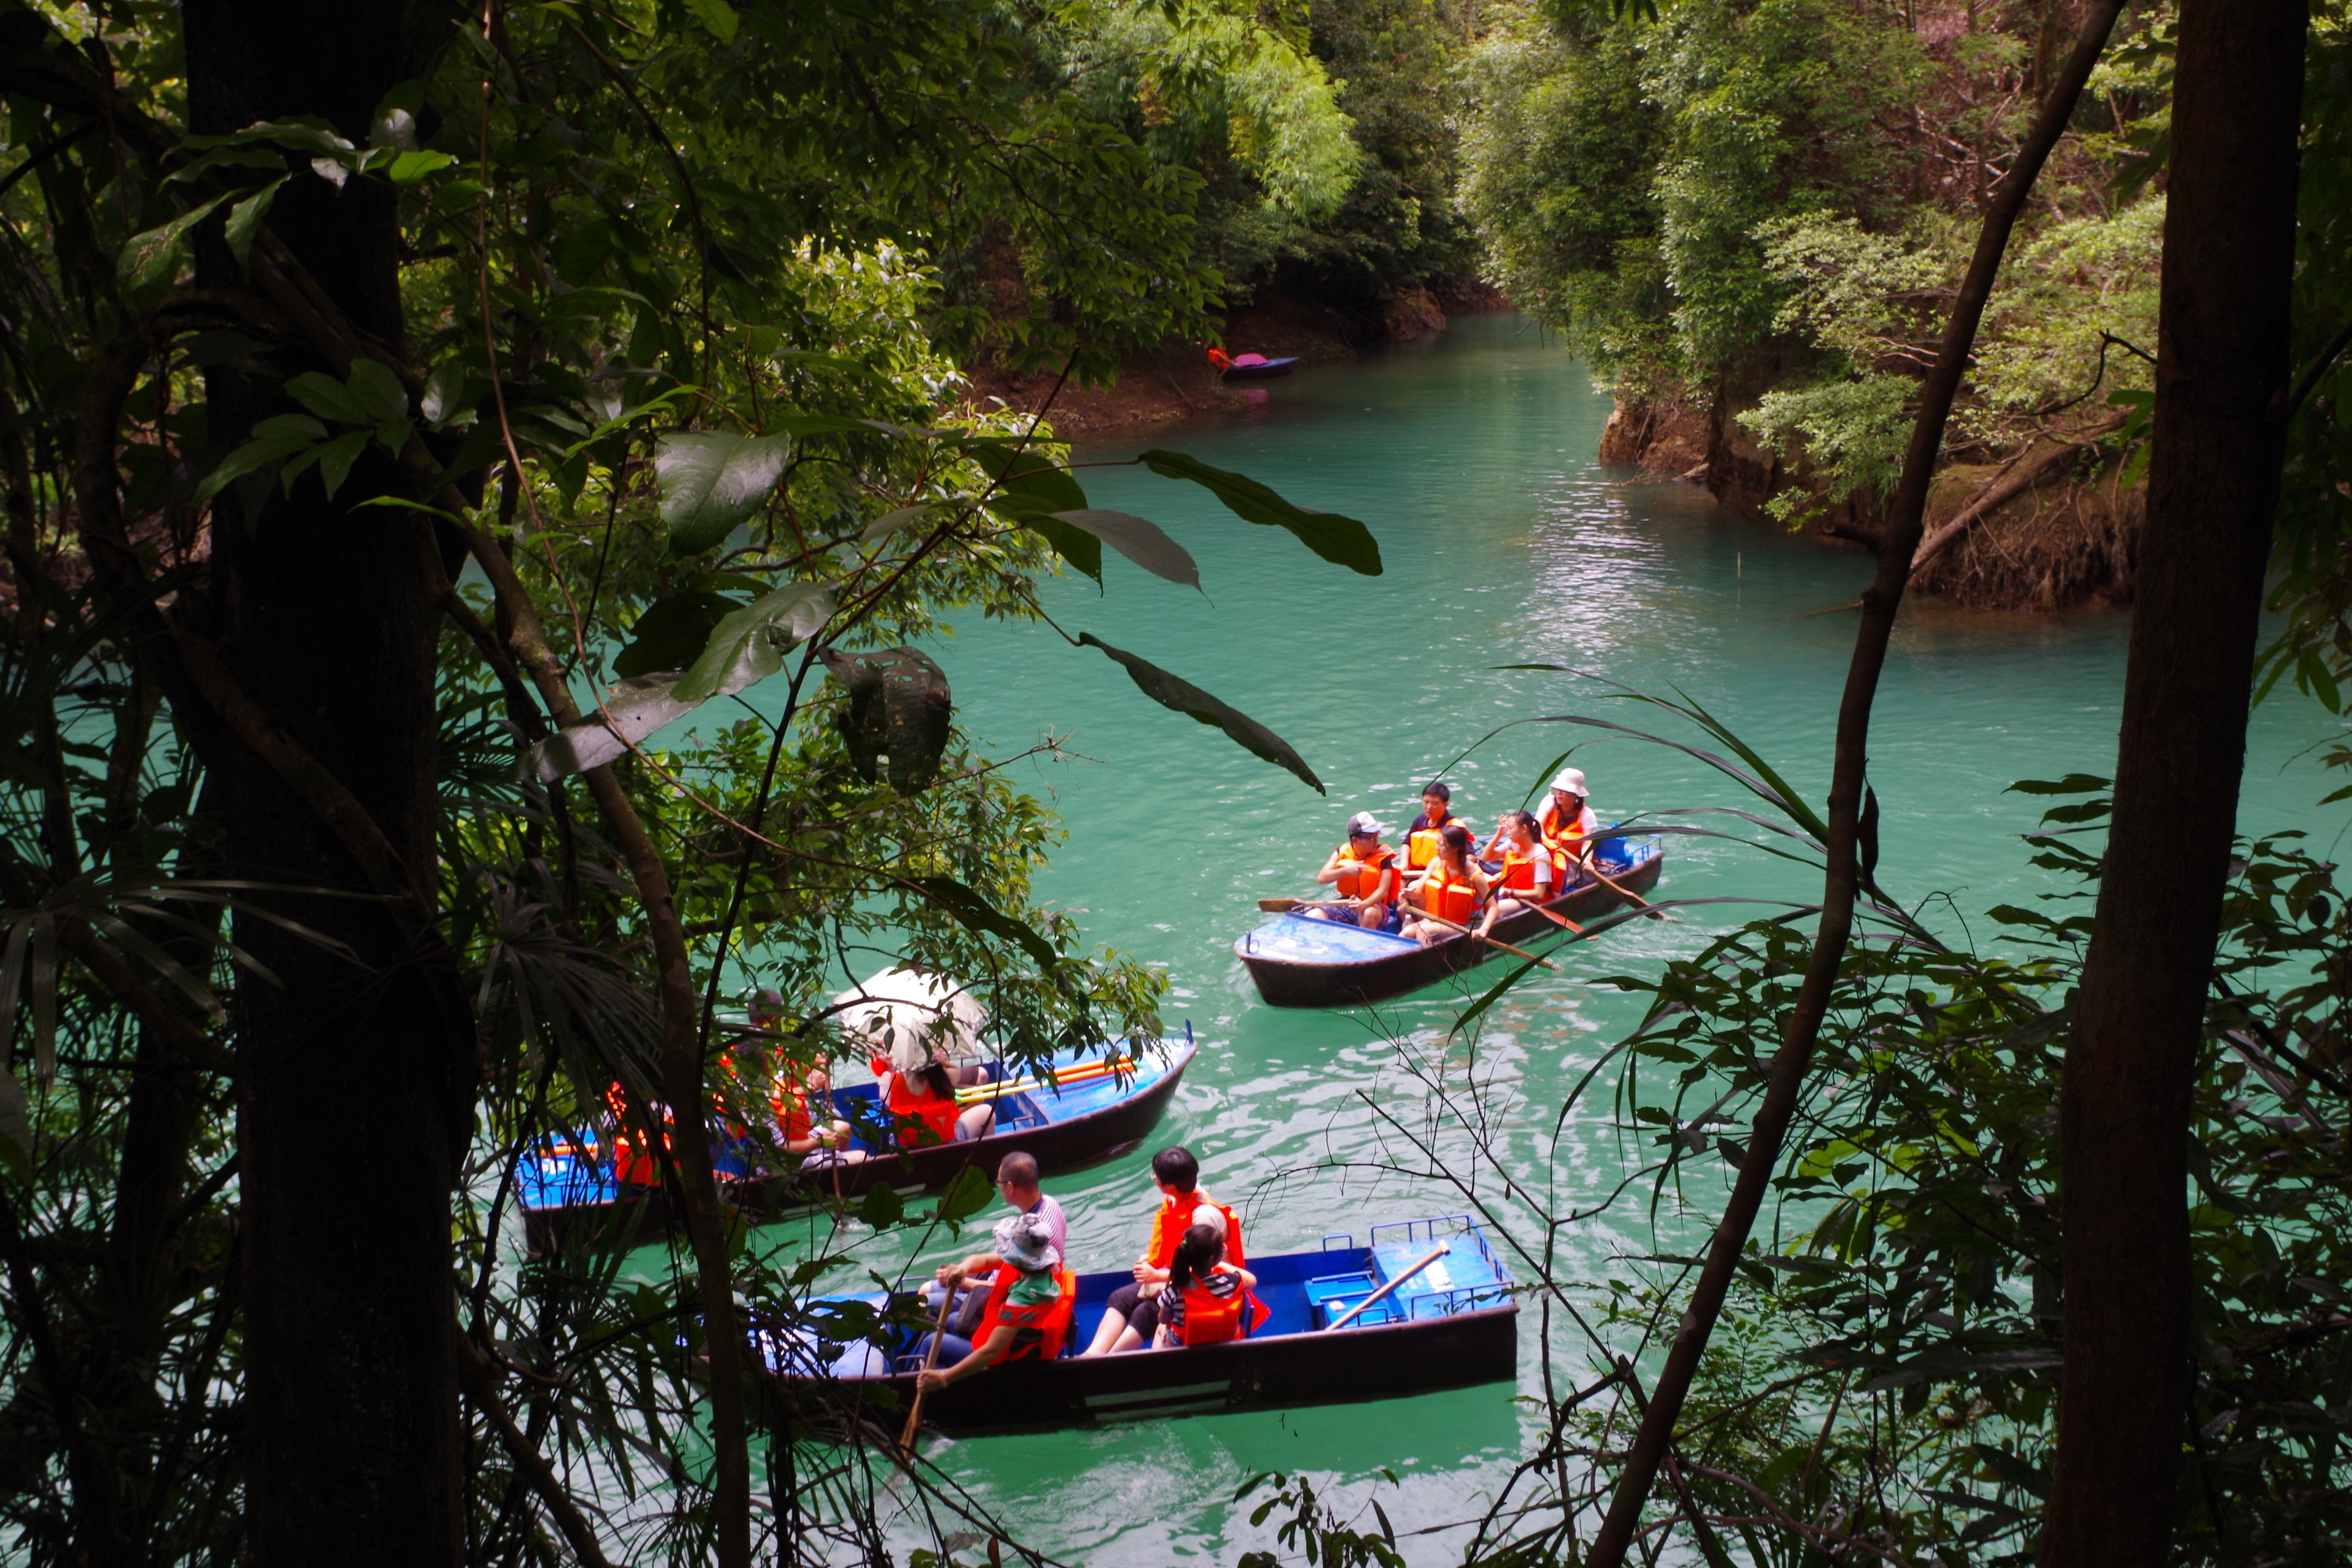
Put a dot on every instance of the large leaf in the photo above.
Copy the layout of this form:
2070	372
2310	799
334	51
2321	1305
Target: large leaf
1027	480
152	257
1139	540
16	1127
750	645
711	480
976	913
637	706
244	219
672	633
1340	540
899	707
1174	692
1075	545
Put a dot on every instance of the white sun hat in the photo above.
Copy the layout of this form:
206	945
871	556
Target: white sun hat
911	1018
1572	781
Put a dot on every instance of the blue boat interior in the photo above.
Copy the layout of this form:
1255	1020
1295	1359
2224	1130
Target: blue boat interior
1301	939
1306	1292
569	1170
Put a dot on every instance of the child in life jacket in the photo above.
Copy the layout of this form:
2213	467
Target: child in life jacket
1028	1311
1207	1297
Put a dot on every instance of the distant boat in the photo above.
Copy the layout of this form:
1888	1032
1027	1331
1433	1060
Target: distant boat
1302	963
565	1186
1452	1324
1257	367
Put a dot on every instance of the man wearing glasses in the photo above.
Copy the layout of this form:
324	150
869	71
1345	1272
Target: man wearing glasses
1017	1183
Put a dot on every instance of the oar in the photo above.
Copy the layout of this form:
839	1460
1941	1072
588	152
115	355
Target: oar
931	1359
1475	936
1550	914
1284	906
1606	880
1082	1073
1385	1291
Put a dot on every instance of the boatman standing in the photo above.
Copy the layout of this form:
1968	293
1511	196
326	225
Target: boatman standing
1364	872
1568	823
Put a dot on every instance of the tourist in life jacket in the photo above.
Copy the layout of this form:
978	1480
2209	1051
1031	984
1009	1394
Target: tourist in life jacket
1421	839
923	1102
1219	359
1364	871
796	1086
1207	1301
1027	1312
1453	889
1132	1315
1567	824
1529	869
1017	1183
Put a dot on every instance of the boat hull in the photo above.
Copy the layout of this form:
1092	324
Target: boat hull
1363	967
1418	1352
594	1205
1266	371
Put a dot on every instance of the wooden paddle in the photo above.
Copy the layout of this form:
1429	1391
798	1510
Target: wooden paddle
1284	906
1475	936
931	1359
1385	1291
1608	881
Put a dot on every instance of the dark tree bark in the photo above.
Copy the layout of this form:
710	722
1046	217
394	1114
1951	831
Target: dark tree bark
2213	484
326	615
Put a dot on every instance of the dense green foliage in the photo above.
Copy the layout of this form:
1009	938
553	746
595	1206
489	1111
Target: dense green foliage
1764	204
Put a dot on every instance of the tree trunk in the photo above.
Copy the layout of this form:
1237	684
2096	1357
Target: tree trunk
351	1073
2221	385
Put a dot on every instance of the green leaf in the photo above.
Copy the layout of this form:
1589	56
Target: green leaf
244	219
411	167
890	522
629	711
1342	541
711	480
743	646
717	16
967	1194
327	398
1082	550
377	390
1027	479
975	913
274	440
672	632
16	1126
334	459
2073	784
1175	692
883	1207
152	257
1141	541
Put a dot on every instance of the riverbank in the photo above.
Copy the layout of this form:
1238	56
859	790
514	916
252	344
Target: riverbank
2041	529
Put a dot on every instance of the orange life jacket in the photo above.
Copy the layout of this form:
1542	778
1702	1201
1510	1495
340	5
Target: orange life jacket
1210	1319
1052	1321
1420	845
925	1108
1518	873
1175	1217
632	1166
790	1097
1443	897
1567	837
1382	864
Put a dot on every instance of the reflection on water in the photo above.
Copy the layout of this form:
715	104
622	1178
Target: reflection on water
1471	458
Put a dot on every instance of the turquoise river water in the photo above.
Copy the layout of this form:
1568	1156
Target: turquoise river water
1470	457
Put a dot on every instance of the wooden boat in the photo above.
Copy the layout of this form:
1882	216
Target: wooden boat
566	1187
1257	367
1453	1325
1302	963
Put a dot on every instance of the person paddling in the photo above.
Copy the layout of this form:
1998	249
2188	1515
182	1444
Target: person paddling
1530	868
1017	1183
1364	872
1421	839
1132	1315
1453	889
1567	824
1027	1312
